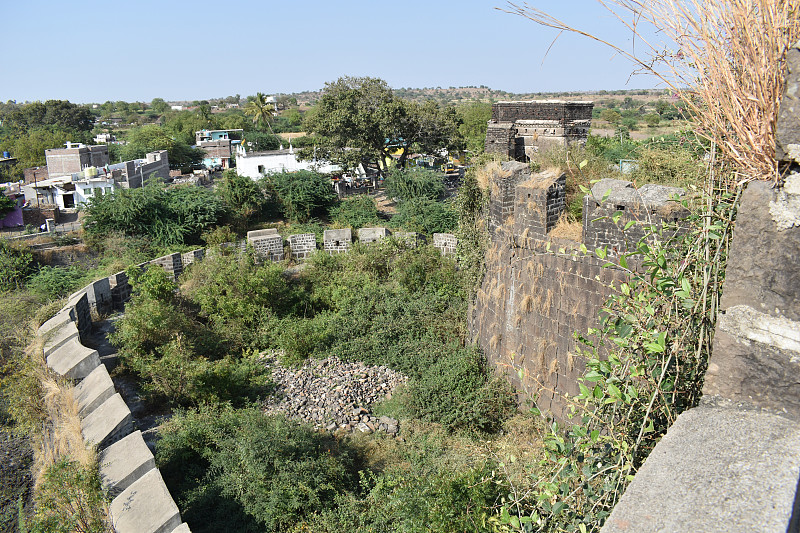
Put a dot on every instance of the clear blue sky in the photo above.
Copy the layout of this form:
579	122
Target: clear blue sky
92	51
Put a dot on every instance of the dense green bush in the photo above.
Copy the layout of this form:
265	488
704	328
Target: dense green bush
302	195
166	215
177	357
356	212
16	262
239	298
245	199
57	282
424	215
239	470
414	183
70	500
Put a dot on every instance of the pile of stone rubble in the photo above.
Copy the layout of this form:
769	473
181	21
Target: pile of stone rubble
333	395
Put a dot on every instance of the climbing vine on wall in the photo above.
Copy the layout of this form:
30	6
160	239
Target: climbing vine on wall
644	366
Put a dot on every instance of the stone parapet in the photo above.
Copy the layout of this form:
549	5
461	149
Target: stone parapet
337	241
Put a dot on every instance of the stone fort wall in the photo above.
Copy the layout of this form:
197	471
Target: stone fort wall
538	291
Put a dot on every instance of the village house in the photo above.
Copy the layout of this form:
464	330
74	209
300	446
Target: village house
78	172
256	164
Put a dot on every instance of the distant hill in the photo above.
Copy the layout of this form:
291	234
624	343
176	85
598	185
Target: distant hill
459	95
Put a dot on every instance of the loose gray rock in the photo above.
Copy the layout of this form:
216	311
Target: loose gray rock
333	395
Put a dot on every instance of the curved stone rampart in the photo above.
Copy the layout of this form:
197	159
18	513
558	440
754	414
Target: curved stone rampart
141	501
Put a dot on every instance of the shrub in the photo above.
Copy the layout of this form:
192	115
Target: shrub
70	500
56	282
261	472
414	183
302	195
356	212
427	216
15	264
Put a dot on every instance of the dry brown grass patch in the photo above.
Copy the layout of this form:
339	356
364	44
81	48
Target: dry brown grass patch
567	229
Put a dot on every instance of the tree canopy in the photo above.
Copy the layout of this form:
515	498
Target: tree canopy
360	119
150	138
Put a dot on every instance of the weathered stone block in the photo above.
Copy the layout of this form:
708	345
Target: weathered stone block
337	241
95	389
183	528
763	270
267	246
257	234
716	469
125	461
410	238
108	423
62	317
302	245
445	242
73	360
145	507
98	294
58	336
368	235
787	132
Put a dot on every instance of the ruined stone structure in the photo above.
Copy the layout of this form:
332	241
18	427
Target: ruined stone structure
517	130
141	502
445	242
337	241
302	245
368	235
539	290
266	243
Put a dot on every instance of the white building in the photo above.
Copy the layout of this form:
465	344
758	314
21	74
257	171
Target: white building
256	164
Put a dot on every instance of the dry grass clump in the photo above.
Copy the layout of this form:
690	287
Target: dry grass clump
485	173
725	59
61	434
568	229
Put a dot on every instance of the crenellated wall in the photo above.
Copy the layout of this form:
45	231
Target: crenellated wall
538	291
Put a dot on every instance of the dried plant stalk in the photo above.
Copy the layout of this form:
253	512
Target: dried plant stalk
725	59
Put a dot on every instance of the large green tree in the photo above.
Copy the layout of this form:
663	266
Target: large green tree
360	119
59	114
474	118
150	138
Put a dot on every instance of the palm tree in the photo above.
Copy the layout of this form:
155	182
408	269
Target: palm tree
260	110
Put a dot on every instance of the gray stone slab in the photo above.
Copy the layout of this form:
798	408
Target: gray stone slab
763	271
368	235
183	528
145	507
718	468
73	360
60	318
787	134
58	336
255	234
108	423
125	461
95	389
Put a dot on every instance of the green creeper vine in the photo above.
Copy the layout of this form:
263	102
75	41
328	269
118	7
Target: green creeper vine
644	366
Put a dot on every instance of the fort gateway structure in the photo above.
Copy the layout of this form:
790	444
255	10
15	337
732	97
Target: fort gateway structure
519	129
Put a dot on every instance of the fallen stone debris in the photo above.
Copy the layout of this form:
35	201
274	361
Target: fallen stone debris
333	395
